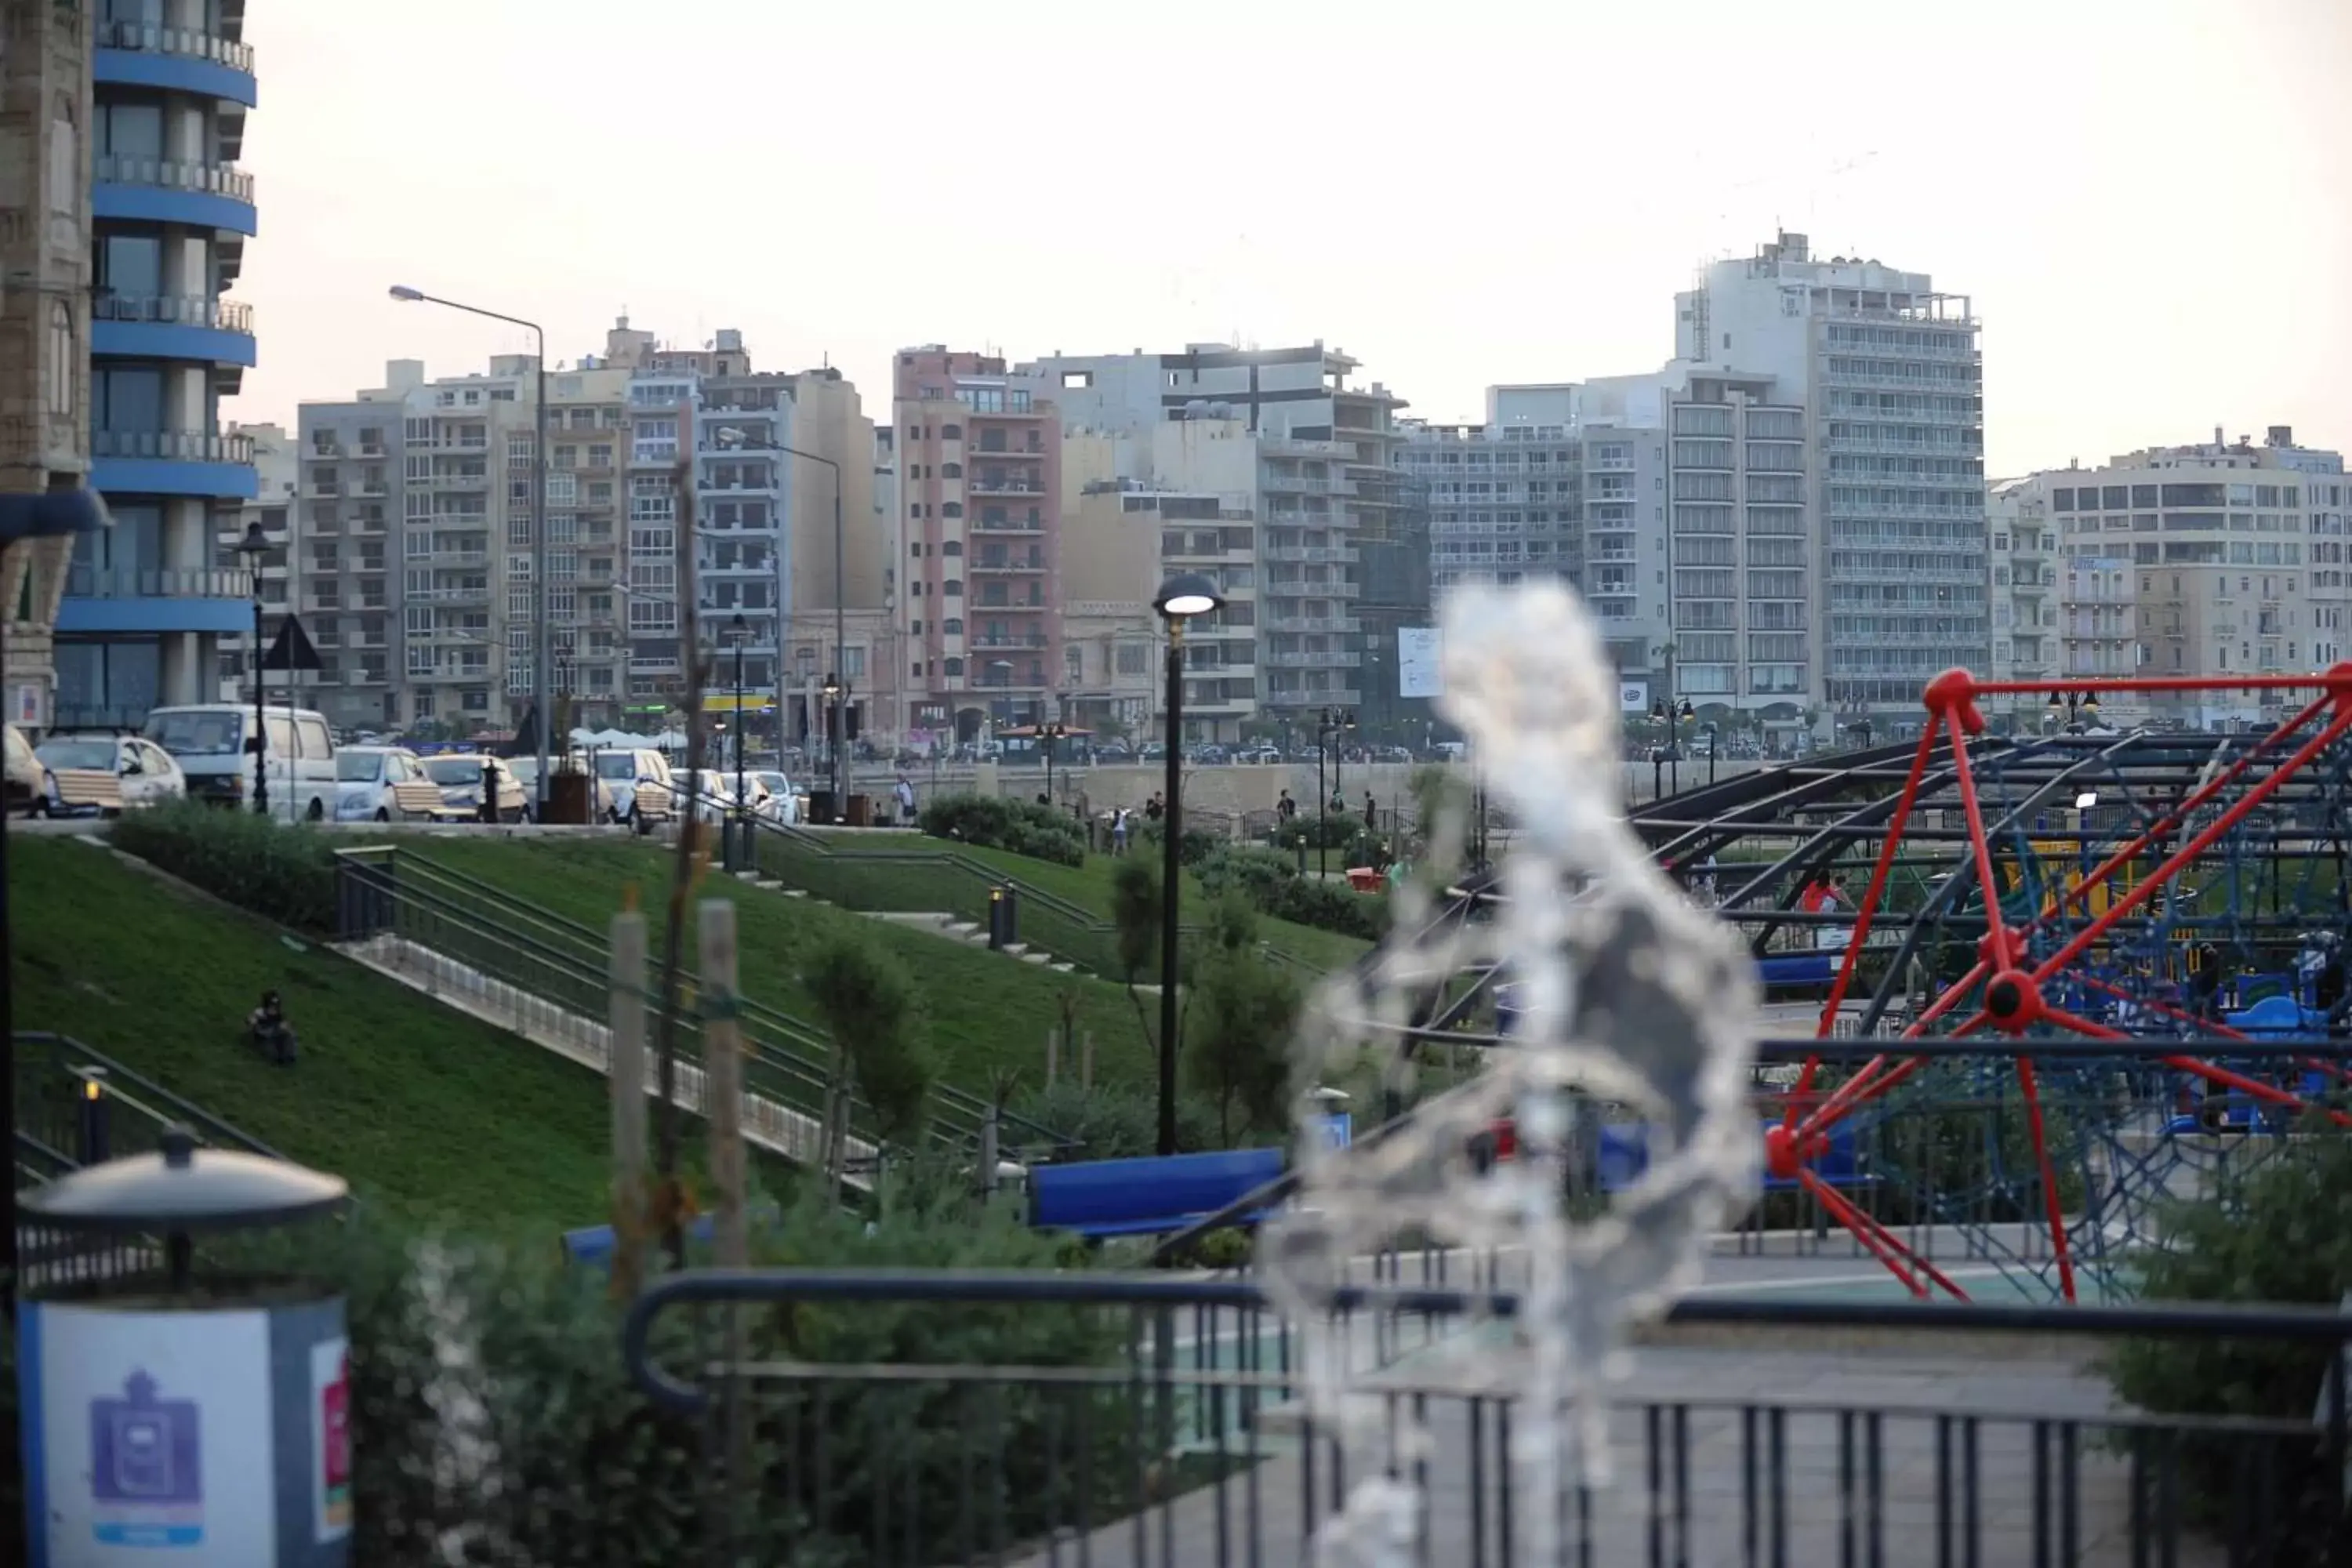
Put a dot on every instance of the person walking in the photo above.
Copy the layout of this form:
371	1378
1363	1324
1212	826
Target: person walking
1119	831
1154	808
1370	811
905	790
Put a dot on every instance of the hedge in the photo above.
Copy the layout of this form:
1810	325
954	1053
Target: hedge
995	822
287	873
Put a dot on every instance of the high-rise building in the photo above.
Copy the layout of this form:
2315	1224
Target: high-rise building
2025	570
1340	529
44	115
2210	559
148	600
418	549
1886	373
277	472
980	486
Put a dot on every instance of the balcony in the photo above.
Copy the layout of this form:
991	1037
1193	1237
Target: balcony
140	599
1023	640
996	563
1331	658
984	448
176	60
1296	697
1311	624
169	190
446	481
1003	485
173	463
172	326
1309	554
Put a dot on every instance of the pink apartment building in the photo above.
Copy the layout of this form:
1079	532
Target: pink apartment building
980	485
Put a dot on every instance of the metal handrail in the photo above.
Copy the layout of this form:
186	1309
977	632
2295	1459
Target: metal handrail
210	1130
575	950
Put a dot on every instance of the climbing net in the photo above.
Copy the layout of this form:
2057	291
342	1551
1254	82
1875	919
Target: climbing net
2142	932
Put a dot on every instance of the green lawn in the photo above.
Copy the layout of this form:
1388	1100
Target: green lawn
1089	886
984	1010
425	1111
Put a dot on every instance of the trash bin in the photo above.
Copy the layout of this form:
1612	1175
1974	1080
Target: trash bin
1003	917
166	1408
568	795
820	807
861	811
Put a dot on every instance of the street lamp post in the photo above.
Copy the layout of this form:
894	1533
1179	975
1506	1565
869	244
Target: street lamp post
2085	705
1046	735
1329	724
538	688
840	613
1179	599
830	692
739	631
251	547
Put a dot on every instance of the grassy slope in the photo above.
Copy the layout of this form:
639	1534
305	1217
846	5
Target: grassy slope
984	1010
424	1111
1089	886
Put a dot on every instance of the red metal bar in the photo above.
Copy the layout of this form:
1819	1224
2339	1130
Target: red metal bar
1867	909
2197	1068
1846	1214
1999	949
2156	683
2188	853
2049	1177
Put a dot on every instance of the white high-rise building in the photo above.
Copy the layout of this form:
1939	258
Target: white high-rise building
1887	374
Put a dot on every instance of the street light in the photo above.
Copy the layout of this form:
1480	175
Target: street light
539	688
1179	599
739	631
252	547
2066	707
830	692
1046	735
1329	724
840	602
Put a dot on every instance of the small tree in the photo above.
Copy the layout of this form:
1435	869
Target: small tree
1135	919
869	1007
1238	1022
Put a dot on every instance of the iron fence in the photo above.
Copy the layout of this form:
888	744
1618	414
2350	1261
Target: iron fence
1168	1428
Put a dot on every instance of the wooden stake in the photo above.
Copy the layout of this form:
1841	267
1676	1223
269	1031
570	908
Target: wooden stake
722	1083
1053	1055
632	1224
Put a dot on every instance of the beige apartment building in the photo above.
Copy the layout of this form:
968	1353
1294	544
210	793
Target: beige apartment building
44	92
2217	558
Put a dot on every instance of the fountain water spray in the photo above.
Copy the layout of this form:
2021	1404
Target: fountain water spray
1626	995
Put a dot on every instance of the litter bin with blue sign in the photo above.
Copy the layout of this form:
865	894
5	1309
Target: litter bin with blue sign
174	1417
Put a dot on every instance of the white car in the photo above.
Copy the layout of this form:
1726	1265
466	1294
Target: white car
459	778
782	802
382	783
638	785
145	772
711	793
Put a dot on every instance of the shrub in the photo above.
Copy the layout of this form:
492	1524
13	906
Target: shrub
995	822
1196	845
285	873
1117	1123
1258	874
580	1469
1237	1024
1135	916
1333	907
2277	1236
1336	830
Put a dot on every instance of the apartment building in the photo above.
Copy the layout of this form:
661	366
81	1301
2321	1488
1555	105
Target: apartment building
44	103
2025	604
147	602
1341	529
1506	502
1886	372
2208	559
980	486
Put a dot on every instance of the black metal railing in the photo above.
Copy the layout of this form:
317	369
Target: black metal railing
1140	1420
399	891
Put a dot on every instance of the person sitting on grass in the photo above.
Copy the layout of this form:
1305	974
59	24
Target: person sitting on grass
271	1034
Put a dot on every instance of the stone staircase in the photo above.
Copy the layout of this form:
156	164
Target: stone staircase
780	1129
952	927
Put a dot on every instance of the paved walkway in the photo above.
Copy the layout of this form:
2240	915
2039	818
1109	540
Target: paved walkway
1703	1522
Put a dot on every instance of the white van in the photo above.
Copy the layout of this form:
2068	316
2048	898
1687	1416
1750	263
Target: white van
211	742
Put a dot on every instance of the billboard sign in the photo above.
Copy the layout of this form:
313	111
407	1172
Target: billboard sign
1420	653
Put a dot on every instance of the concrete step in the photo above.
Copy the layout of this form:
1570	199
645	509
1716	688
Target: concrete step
1037	958
1061	968
786	1131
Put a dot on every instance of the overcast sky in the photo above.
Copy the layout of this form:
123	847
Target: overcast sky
2150	201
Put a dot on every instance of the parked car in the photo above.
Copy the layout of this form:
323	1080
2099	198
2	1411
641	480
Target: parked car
526	774
1261	756
213	743
782	803
78	782
638	783
382	783
459	778
24	774
145	774
709	795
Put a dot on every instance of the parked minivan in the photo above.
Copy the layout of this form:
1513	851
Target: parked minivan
212	743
